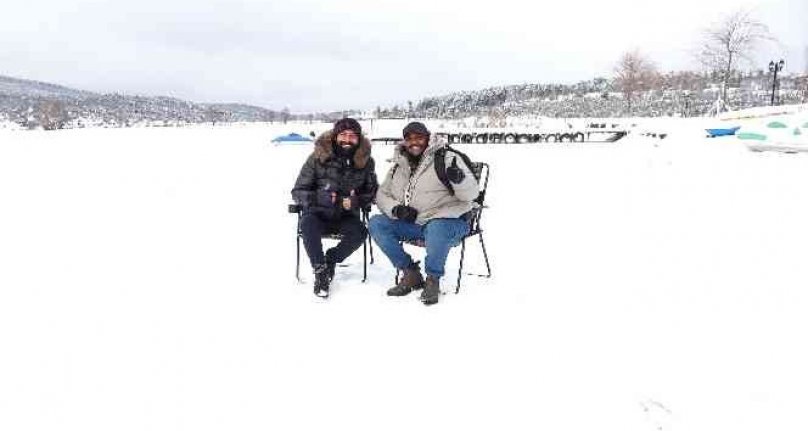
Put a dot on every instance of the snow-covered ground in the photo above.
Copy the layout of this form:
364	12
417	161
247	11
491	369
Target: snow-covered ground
147	282
8	125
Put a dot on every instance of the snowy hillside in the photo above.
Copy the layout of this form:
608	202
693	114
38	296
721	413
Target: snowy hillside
677	94
147	282
23	102
22	87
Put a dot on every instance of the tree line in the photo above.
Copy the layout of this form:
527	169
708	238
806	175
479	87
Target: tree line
637	87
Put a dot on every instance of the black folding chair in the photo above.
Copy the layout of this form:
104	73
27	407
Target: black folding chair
297	209
481	171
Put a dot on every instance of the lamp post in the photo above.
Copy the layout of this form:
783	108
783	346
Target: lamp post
688	100
775	67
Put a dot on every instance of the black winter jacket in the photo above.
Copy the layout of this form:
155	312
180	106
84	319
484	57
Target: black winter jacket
325	171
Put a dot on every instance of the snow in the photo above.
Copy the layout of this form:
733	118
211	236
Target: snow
764	112
8	125
147	282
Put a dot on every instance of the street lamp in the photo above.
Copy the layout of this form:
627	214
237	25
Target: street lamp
775	67
688	101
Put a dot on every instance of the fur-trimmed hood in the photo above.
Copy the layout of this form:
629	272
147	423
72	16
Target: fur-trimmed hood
324	150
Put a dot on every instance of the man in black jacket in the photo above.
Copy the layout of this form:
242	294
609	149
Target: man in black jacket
335	183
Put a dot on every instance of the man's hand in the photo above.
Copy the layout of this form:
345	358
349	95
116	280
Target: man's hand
350	201
454	173
406	213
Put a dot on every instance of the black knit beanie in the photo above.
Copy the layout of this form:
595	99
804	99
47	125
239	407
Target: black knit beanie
347	124
415	127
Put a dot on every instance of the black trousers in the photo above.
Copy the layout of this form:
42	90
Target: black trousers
313	226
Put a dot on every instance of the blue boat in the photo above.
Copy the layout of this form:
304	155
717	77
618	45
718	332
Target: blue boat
292	137
712	133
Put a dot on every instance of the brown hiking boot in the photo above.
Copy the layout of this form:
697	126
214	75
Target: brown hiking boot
411	279
431	292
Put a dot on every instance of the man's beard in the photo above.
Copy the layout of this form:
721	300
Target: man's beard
346	149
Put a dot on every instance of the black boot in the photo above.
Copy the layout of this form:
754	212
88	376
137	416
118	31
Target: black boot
321	280
431	292
330	263
330	268
411	279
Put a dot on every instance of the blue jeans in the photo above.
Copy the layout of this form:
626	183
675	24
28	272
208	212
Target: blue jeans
439	236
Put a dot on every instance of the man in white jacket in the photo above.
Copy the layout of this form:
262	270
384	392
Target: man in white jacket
417	205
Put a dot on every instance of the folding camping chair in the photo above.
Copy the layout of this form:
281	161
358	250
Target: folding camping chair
481	171
297	209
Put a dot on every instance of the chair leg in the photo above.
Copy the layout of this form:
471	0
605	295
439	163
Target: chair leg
370	244
364	261
398	272
485	254
460	270
297	267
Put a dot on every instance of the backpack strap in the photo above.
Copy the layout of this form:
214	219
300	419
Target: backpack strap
440	169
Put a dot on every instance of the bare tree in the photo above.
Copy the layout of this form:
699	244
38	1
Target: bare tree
215	115
802	84
285	115
729	42
634	73
497	117
268	116
51	115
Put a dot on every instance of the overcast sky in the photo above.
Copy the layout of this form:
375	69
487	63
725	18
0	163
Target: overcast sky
332	55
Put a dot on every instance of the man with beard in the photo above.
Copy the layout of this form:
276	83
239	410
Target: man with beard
417	205
336	182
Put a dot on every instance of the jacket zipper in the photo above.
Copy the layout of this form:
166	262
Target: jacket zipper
409	194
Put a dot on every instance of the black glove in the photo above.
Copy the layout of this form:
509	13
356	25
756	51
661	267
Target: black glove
403	212
454	173
325	198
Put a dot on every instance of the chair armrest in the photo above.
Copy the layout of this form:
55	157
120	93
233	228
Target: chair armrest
294	208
